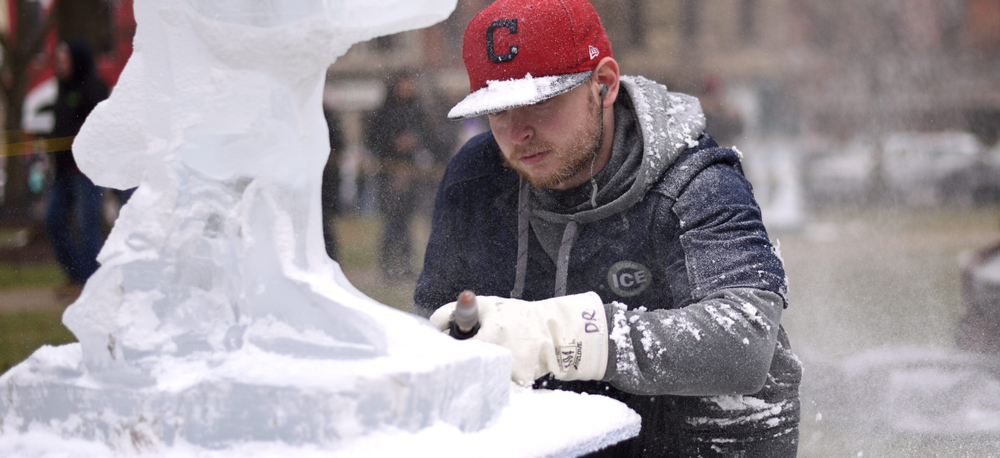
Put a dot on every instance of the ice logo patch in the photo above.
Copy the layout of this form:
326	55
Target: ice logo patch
627	278
593	51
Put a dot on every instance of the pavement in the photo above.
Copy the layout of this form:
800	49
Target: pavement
22	299
24	242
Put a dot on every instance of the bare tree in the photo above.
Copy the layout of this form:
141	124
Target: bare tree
88	20
20	46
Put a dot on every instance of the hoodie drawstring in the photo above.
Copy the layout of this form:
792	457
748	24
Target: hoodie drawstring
523	225
562	261
523	213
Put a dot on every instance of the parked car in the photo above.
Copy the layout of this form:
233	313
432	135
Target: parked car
977	184
920	168
839	175
907	168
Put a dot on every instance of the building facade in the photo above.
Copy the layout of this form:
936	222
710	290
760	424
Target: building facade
785	67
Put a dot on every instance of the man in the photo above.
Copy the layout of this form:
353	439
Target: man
72	196
330	191
615	247
396	134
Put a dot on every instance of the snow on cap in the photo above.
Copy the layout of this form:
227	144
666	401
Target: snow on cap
521	52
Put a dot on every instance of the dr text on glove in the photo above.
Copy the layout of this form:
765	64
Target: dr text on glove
566	336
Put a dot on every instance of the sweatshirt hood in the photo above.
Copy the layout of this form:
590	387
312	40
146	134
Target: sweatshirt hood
668	122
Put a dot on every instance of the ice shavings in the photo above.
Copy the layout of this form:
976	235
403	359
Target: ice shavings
776	249
743	410
513	90
499	95
652	346
681	324
620	331
621	335
670	123
753	315
722	319
738	402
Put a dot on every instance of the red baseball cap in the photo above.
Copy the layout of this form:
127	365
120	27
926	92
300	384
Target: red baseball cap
521	52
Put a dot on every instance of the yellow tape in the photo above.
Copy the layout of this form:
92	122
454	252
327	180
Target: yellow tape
36	146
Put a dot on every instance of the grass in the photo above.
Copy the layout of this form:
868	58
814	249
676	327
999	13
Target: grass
21	333
30	275
359	239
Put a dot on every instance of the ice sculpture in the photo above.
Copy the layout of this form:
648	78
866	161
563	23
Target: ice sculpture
216	317
218	259
218	118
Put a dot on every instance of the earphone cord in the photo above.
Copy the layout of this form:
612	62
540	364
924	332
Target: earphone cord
600	143
593	181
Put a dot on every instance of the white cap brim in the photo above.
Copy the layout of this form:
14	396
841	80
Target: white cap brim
498	96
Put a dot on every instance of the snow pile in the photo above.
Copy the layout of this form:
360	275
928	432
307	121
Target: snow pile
216	323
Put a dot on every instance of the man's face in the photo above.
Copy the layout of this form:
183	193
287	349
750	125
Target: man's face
63	62
406	88
552	144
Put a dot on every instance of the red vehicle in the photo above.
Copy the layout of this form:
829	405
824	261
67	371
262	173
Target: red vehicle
112	26
109	61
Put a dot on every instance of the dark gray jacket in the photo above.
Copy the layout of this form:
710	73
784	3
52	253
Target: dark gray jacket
674	244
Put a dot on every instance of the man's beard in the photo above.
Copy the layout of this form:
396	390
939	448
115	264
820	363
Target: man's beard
580	153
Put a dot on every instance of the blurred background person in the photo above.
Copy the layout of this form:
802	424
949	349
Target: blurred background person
721	118
397	136
330	193
73	213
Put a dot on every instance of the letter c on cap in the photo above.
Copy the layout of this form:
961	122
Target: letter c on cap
511	25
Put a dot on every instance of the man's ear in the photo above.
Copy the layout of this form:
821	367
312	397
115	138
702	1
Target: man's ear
606	74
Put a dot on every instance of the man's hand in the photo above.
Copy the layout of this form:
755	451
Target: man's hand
566	336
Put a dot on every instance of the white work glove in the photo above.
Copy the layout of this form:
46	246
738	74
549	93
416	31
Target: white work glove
566	336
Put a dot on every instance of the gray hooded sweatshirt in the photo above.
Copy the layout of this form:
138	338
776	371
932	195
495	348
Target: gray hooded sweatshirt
728	338
700	353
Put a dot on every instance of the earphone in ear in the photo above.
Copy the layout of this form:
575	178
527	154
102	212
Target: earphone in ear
604	90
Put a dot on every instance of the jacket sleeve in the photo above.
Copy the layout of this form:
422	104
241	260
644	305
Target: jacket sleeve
723	339
445	273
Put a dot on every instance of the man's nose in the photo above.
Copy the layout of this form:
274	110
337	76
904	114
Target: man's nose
520	126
